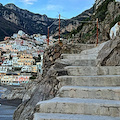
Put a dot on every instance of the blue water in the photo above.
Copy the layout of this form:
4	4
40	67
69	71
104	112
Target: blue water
6	112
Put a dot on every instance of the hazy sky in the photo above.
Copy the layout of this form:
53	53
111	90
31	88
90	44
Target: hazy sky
52	8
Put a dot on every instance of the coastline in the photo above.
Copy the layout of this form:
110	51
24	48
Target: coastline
7	107
13	102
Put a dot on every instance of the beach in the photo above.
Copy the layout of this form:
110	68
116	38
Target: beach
7	107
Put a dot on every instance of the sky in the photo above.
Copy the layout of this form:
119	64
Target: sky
52	8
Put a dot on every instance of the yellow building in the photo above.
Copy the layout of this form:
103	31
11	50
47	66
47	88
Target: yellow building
26	56
26	59
34	68
7	79
14	79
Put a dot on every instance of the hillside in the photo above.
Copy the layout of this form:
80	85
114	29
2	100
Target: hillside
68	25
108	14
22	19
14	18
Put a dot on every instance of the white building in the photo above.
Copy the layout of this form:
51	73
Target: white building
14	36
14	79
40	38
7	62
9	68
2	45
13	54
26	69
3	69
40	64
6	55
15	61
20	48
35	54
21	33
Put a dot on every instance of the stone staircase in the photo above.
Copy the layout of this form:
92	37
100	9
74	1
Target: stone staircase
88	92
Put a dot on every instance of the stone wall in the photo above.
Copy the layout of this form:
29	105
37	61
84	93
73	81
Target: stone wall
54	52
50	55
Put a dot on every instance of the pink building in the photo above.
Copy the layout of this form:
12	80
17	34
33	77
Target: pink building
22	79
6	38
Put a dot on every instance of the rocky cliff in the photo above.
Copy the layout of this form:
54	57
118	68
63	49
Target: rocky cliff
108	14
110	54
13	19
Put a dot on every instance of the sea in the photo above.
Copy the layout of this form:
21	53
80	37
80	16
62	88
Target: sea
6	111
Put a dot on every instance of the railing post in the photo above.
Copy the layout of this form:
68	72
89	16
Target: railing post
59	28
48	37
97	32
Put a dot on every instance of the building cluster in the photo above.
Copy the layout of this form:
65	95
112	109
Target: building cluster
21	58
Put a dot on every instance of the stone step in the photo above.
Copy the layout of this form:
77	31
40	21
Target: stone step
85	54
56	116
78	62
94	50
103	80
91	70
110	93
78	56
80	106
73	48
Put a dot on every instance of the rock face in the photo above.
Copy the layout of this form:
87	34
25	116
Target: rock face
98	3
23	92
110	54
107	14
14	93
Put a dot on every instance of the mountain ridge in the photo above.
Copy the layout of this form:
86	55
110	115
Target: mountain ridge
30	22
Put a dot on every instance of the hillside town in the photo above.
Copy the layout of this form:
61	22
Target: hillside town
21	58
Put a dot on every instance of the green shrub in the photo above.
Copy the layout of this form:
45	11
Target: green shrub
33	77
102	9
117	19
17	69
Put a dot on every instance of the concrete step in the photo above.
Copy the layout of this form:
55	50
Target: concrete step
103	80
91	70
55	116
110	93
94	50
80	106
85	54
78	62
73	48
79	56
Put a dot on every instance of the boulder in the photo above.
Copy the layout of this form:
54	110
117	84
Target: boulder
109	55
